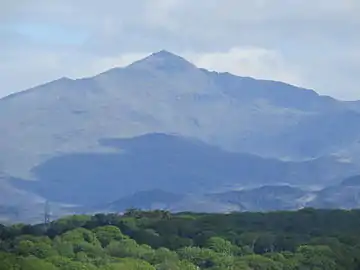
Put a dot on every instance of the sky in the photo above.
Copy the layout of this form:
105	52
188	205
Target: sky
313	44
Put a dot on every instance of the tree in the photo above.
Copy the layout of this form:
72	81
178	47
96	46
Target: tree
67	223
204	258
8	262
64	249
316	257
106	234
220	245
91	250
164	255
258	262
80	235
24	248
68	264
129	264
129	248
176	265
33	263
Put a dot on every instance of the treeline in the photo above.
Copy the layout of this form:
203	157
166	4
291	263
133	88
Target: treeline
302	240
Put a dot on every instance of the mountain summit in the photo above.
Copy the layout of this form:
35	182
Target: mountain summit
163	60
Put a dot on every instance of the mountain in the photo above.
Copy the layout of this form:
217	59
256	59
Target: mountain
60	136
165	93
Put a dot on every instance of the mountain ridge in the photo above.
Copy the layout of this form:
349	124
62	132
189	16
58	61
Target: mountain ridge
171	57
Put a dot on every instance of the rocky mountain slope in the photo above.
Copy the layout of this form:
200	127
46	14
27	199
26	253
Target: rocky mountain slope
58	138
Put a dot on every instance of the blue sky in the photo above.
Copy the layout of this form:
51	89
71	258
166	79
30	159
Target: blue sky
314	44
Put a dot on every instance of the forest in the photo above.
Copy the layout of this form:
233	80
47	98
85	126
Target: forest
141	240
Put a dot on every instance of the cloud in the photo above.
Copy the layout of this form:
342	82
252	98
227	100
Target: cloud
250	61
301	42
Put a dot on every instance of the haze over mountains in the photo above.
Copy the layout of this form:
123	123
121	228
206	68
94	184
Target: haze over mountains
162	123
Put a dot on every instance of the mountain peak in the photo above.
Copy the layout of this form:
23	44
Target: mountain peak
163	60
164	53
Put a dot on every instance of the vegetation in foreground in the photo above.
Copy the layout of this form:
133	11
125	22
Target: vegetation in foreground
306	239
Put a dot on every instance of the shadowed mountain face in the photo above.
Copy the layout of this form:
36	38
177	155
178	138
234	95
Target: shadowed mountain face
166	162
56	133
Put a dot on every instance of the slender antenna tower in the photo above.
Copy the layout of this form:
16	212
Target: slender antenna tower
47	214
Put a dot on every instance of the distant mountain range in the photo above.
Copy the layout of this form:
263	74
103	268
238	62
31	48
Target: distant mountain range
161	123
345	195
